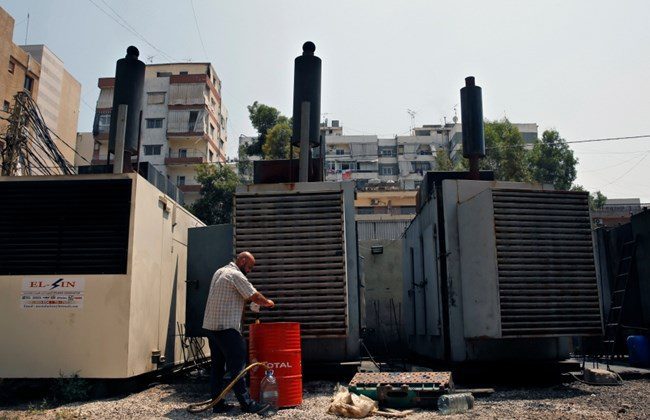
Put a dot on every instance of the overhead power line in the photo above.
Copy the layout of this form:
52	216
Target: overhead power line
126	25
199	30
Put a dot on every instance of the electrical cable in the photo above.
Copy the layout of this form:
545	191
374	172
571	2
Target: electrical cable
198	30
627	172
129	28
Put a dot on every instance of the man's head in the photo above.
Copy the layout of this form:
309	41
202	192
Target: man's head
245	261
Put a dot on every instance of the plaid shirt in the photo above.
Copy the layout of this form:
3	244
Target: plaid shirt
229	291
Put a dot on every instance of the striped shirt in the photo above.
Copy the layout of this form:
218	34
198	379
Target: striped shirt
229	291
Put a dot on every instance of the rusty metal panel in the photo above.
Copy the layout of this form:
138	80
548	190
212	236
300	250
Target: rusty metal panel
299	246
547	276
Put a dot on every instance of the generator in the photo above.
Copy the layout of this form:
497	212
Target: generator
499	271
92	276
303	237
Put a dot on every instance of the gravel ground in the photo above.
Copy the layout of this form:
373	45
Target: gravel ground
572	400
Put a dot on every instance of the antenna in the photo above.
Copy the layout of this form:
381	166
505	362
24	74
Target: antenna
455	119
27	29
412	115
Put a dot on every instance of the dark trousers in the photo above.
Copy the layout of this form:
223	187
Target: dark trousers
228	353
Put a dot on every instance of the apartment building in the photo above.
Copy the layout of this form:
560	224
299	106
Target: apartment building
183	122
400	161
19	70
58	99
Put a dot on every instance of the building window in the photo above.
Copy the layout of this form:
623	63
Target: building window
194	115
182	153
422	132
154	122
183	73
5	106
163	74
331	166
407	210
104	123
365	210
388	151
29	84
12	67
421	166
387	169
210	156
340	151
180	180
155	98
152	149
211	130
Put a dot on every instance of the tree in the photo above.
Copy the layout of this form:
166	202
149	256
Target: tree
244	164
505	151
444	162
596	200
218	183
278	139
263	118
551	161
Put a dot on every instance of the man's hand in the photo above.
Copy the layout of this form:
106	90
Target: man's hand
262	301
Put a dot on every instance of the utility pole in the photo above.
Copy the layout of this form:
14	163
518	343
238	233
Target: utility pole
15	141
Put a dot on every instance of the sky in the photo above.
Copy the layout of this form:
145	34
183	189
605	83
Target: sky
580	67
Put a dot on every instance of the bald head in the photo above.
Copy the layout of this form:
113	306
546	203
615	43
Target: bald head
245	261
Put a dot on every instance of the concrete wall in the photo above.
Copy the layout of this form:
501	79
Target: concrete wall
383	295
85	146
58	98
12	83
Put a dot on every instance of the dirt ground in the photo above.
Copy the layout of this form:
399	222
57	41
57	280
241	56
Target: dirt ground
568	400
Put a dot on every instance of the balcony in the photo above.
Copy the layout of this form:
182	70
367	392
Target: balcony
185	157
194	188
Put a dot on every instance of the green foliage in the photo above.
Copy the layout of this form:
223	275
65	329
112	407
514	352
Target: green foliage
71	388
263	118
218	183
443	162
244	164
505	151
596	200
551	161
278	139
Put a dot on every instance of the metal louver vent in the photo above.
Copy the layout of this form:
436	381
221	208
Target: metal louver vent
547	278
64	226
298	244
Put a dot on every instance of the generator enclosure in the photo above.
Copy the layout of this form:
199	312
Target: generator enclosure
303	237
500	271
92	276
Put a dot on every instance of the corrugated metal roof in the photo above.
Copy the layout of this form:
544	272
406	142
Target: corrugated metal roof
381	229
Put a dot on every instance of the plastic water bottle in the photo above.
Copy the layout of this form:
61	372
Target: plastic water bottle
455	403
269	391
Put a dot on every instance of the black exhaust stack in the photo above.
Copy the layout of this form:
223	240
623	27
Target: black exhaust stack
471	105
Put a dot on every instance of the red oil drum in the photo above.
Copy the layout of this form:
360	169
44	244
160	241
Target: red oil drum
277	344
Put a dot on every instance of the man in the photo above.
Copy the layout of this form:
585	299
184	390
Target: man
229	292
